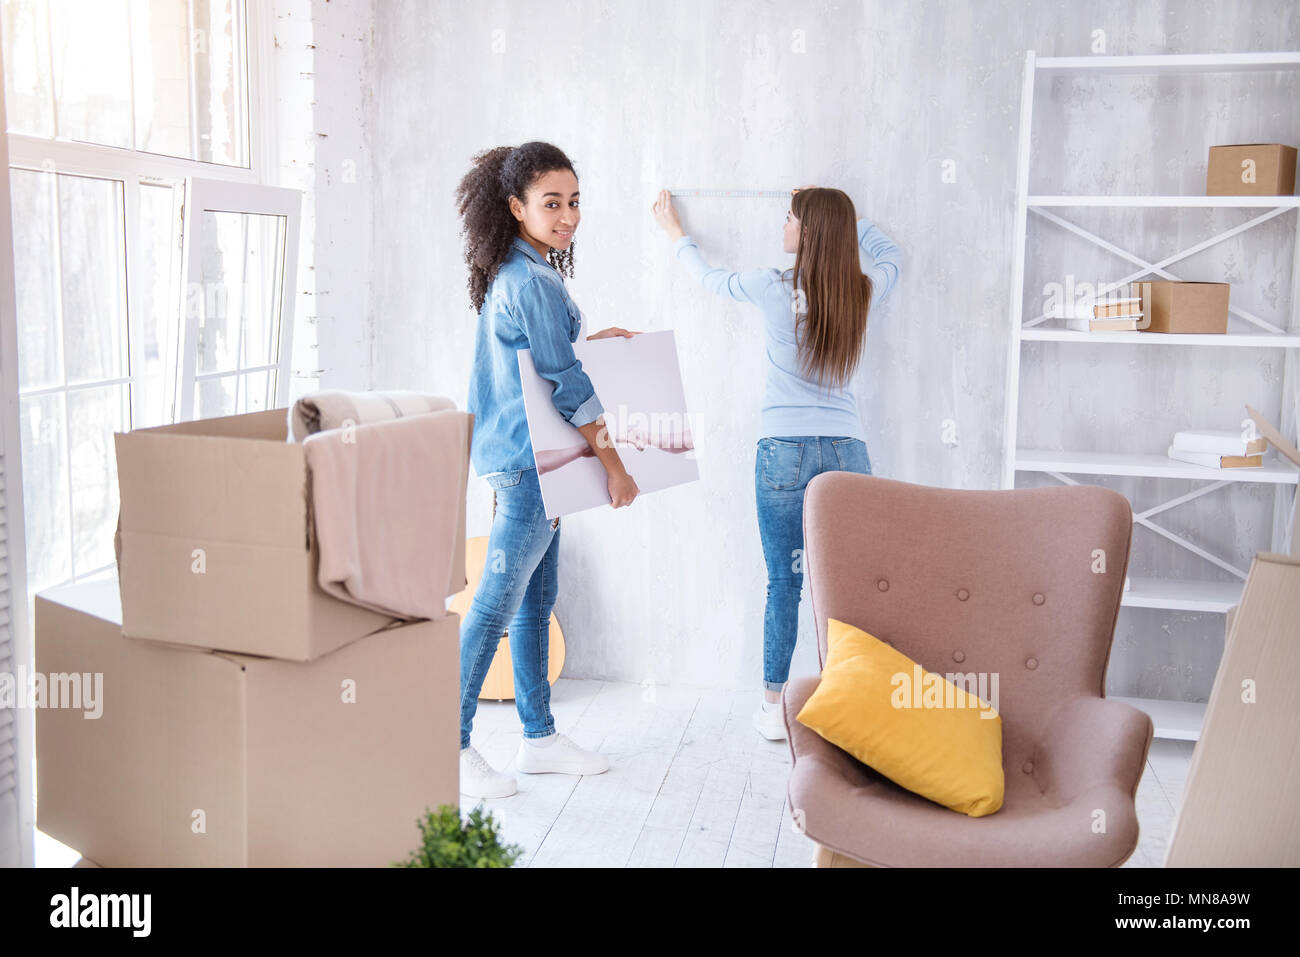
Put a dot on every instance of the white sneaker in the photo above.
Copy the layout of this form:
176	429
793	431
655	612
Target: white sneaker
561	756
770	724
477	779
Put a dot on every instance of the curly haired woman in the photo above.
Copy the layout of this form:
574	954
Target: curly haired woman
520	211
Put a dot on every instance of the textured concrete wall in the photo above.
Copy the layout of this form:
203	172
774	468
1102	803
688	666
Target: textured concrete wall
292	149
913	109
320	68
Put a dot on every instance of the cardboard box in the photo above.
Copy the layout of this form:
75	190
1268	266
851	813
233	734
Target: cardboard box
1251	169
229	496
266	755
1238	806
1243	786
1184	307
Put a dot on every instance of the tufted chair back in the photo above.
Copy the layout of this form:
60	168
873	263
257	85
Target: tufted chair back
1024	583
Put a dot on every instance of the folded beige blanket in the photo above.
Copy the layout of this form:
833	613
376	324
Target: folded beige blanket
332	410
387	506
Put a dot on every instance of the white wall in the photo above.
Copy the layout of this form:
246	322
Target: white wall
871	97
322	114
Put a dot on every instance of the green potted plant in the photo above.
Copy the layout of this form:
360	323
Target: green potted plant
448	841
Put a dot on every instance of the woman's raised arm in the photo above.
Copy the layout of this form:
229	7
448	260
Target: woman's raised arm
882	260
745	286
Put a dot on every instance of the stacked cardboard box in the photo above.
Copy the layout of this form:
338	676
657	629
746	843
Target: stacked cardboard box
253	720
214	533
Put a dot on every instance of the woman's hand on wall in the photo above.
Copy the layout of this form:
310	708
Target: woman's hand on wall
666	216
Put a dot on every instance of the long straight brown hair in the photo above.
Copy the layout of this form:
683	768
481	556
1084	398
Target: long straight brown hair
836	293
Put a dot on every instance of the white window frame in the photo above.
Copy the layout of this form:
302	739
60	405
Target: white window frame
132	168
207	195
17	645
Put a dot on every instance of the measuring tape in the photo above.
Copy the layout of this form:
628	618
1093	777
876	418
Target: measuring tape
734	193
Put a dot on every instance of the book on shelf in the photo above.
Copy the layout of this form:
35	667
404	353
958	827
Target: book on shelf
1089	301
1123	324
1215	461
1116	308
1219	442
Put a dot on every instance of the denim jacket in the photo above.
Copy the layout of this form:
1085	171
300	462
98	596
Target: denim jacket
527	307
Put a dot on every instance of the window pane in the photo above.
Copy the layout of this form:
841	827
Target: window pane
255	392
219	80
201	116
216	397
159	319
160	32
90	48
93	277
40	344
45	491
242	265
93	416
28	105
185	61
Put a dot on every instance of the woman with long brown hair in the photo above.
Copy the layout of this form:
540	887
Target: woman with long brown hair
816	325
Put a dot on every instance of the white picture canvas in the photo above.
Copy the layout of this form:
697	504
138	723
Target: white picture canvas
639	382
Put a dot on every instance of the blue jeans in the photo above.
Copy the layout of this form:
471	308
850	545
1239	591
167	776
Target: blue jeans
518	587
783	467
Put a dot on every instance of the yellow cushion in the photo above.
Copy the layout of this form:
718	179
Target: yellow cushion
918	729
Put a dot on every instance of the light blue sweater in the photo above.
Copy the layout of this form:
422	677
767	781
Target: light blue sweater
793	405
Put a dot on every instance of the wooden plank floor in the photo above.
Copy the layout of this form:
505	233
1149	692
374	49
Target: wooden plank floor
692	784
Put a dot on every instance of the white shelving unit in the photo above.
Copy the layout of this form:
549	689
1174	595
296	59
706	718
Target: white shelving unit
1179	720
1172	719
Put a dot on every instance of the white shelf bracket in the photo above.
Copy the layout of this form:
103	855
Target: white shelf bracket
1143	519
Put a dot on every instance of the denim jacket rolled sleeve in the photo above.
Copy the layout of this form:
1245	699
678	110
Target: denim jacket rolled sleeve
545	321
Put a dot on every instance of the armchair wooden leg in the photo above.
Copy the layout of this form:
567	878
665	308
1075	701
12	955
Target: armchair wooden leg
825	857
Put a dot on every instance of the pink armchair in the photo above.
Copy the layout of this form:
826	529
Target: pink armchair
1025	583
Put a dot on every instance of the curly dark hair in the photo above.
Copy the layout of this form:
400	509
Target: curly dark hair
483	199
